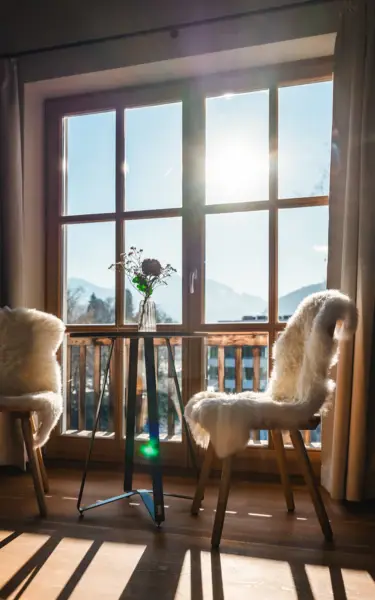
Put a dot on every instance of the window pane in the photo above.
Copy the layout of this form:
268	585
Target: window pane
303	239
90	162
153	157
305	129
161	239
236	267
89	290
237	148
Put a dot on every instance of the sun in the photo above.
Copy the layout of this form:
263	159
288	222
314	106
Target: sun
236	172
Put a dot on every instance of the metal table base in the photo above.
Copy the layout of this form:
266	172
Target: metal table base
153	499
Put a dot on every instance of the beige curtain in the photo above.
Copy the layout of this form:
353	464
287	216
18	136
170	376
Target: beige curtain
11	228
348	457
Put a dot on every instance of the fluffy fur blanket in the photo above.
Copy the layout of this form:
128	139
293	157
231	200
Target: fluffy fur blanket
30	377
299	385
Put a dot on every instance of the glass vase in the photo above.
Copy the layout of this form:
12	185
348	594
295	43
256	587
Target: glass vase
147	315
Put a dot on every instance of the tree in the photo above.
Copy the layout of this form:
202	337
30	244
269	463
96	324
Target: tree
162	317
320	188
132	315
74	309
100	311
129	306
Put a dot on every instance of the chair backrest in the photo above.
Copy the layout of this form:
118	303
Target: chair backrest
29	340
308	346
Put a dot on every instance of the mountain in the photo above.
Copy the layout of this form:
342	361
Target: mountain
223	303
289	302
75	283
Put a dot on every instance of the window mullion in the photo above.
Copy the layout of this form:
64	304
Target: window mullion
118	373
120	197
273	195
193	202
193	186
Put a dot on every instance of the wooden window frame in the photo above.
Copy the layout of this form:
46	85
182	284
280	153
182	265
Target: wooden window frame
192	93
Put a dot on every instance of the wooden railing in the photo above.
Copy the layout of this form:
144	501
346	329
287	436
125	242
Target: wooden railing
242	362
234	363
84	364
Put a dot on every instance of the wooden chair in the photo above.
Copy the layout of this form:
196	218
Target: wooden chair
306	469
35	457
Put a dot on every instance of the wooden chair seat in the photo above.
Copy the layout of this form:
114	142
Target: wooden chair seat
35	456
278	443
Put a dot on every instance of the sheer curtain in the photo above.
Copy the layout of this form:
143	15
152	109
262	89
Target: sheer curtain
348	456
11	228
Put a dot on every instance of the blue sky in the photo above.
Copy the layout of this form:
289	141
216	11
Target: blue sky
236	170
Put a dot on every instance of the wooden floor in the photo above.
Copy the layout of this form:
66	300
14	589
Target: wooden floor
116	552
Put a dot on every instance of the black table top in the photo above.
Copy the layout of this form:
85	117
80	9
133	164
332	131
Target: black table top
136	334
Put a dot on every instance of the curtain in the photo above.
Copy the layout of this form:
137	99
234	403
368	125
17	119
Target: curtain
348	456
11	229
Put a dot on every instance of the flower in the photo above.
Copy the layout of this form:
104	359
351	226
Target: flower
144	274
152	267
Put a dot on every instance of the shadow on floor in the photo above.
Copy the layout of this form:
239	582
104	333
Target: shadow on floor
168	566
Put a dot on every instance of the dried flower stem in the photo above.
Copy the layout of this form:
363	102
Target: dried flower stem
144	274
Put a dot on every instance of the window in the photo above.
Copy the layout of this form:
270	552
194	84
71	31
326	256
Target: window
227	179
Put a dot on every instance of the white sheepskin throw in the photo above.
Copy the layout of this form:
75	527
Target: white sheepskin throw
30	377
299	385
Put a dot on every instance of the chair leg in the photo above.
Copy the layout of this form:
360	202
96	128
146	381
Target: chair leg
313	488
34	465
39	454
203	478
283	468
222	502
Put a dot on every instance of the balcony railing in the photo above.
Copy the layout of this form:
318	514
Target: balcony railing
234	363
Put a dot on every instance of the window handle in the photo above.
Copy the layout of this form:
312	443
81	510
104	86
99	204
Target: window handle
193	278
